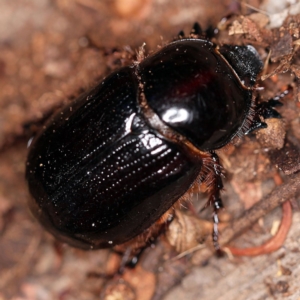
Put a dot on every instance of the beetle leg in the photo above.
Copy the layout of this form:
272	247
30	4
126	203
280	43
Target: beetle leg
211	32
196	30
266	111
132	249
128	259
256	124
181	34
215	198
214	186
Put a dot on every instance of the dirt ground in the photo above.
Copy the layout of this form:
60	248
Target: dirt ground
51	51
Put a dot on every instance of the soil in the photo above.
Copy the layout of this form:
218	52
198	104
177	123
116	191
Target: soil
53	50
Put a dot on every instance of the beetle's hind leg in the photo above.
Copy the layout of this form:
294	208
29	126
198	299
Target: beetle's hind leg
213	180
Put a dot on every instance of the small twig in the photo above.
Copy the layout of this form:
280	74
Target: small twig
187	252
255	8
275	242
279	195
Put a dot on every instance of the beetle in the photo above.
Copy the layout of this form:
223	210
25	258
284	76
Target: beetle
108	168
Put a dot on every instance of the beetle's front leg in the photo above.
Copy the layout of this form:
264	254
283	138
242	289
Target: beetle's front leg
266	110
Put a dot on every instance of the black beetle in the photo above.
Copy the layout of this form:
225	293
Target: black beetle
108	168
